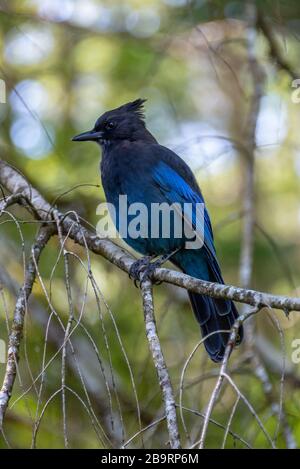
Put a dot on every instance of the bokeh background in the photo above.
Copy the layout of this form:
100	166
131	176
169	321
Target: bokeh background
64	62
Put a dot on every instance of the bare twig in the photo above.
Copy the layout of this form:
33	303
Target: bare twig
249	161
160	364
234	407
15	335
216	392
256	73
264	25
235	436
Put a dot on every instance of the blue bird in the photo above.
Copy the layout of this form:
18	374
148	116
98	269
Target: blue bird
134	164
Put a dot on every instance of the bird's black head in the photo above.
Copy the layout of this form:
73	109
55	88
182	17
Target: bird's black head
123	123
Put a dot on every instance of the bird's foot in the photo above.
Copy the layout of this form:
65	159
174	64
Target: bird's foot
148	270
138	267
143	268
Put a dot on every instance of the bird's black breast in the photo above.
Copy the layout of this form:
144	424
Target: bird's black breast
119	166
111	174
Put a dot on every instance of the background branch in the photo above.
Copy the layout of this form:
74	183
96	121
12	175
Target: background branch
15	336
160	364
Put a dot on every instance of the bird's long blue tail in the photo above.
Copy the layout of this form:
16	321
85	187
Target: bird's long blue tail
215	315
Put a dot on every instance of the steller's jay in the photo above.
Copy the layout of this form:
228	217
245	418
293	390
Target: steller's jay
134	164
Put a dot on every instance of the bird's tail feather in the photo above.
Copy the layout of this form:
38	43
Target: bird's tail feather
215	315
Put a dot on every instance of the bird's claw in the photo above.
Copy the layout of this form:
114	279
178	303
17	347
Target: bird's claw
143	269
137	267
148	271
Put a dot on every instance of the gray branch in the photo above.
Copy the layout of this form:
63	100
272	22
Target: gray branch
16	332
160	364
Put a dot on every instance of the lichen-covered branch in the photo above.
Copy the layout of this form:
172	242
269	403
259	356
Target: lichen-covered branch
160	364
15	336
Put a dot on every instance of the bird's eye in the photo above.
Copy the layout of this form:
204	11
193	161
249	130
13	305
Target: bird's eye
110	125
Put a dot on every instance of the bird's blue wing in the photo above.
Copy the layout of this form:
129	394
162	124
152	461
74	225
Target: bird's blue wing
176	190
213	314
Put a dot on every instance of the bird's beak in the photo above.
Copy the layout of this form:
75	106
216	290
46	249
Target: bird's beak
90	135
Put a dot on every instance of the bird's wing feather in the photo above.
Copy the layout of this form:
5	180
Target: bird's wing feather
176	189
212	314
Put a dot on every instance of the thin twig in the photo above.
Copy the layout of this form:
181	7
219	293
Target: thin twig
160	364
216	392
274	50
15	335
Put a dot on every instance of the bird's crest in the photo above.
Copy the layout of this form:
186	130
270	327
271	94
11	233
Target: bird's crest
136	107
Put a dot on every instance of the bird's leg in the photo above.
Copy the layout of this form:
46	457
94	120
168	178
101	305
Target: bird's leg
148	270
138	267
